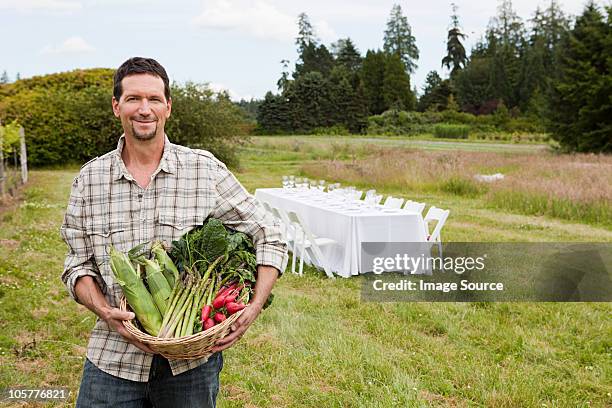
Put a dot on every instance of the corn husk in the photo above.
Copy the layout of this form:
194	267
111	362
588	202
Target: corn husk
136	293
167	266
158	285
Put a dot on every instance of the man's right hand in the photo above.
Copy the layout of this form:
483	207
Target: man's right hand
114	317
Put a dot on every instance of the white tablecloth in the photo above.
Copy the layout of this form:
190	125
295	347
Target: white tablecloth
347	227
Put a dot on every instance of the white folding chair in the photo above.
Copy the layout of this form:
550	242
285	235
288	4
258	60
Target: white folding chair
287	228
392	202
307	243
414	206
370	193
439	216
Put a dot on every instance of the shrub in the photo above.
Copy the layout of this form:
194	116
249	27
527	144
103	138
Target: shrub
68	118
451	131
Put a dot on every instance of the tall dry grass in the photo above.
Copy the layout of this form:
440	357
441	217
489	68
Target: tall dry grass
575	187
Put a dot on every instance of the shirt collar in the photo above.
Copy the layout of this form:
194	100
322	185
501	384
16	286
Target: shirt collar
166	164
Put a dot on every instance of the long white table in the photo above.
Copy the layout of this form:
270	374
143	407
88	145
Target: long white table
327	217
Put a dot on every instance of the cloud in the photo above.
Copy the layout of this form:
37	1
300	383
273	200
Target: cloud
41	5
255	17
234	96
72	45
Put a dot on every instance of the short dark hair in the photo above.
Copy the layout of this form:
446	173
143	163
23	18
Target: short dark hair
139	65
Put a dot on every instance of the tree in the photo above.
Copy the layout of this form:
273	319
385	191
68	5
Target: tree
273	114
347	100
373	76
347	54
306	34
396	85
435	93
284	79
580	114
399	39
314	58
455	52
309	100
4	79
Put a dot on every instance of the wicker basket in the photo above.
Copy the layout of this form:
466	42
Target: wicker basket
188	347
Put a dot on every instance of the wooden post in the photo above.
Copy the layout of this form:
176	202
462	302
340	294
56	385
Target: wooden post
2	176
23	156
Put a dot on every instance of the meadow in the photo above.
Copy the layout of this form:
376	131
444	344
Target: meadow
320	345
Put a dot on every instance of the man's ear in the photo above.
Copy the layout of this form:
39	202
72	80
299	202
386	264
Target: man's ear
169	108
115	104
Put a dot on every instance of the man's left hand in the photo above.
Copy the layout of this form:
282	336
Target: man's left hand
239	327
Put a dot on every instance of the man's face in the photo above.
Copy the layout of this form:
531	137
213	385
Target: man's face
142	107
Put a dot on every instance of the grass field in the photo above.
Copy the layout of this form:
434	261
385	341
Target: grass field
319	345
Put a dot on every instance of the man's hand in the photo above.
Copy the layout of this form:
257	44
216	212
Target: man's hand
240	326
266	277
114	318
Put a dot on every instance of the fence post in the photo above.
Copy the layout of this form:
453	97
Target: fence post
2	177
23	156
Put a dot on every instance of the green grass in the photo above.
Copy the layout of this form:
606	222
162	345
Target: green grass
320	345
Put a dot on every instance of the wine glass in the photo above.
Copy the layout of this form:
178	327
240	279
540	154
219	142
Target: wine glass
321	185
285	182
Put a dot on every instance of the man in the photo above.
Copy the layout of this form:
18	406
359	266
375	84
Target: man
147	189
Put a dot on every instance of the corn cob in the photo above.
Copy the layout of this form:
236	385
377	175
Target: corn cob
168	268
136	294
158	285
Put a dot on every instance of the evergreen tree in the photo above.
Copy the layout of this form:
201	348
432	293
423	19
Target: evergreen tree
4	79
347	100
273	114
397	93
314	58
399	39
372	76
347	54
310	103
456	57
580	115
472	84
306	34
435	93
508	32
284	79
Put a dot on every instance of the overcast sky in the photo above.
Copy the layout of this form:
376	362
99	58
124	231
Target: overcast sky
232	44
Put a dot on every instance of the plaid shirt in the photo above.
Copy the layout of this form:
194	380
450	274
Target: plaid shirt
107	207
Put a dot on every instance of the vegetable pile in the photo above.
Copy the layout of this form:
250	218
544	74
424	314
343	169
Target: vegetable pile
205	277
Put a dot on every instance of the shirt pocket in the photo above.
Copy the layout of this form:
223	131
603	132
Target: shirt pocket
103	235
172	225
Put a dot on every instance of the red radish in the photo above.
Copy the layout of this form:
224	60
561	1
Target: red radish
209	323
231	296
219	317
219	301
234	307
206	312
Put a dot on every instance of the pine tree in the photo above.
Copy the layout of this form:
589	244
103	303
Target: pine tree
580	114
284	79
347	54
4	79
455	52
306	34
399	39
372	76
314	58
397	93
435	93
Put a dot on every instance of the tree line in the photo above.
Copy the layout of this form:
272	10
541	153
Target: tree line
551	70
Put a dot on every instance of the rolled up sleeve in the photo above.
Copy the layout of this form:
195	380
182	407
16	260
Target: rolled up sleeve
238	210
78	261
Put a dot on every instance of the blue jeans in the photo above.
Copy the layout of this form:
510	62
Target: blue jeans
195	388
